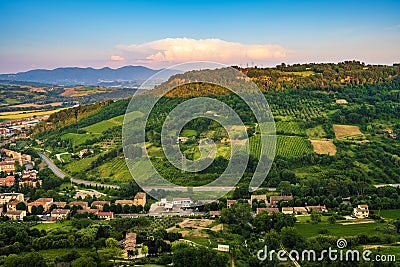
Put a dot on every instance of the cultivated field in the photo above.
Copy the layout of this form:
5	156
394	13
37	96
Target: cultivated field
342	131
14	115
324	147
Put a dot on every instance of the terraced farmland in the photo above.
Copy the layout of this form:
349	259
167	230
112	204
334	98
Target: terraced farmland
286	146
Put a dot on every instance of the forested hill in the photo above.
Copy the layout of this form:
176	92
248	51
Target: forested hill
316	76
370	79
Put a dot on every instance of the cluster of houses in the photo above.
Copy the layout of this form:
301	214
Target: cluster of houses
60	210
271	206
28	177
8	128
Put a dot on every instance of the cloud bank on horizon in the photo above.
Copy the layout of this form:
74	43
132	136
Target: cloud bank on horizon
177	50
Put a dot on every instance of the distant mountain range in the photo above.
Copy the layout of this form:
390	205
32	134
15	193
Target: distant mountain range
127	75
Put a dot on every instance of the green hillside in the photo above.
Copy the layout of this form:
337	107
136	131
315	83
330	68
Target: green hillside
301	115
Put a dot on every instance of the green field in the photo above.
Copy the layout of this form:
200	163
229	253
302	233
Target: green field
14	115
388	214
188	132
310	230
115	170
289	128
78	139
79	166
103	126
51	254
286	146
66	225
316	132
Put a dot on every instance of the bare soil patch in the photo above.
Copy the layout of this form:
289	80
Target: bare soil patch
342	131
324	147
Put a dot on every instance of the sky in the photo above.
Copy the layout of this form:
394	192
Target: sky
158	34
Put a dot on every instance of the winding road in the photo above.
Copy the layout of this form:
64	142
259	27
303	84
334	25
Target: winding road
61	174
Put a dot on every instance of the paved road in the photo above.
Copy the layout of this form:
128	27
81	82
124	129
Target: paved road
381	185
61	174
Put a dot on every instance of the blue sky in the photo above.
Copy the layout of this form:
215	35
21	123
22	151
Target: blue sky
49	34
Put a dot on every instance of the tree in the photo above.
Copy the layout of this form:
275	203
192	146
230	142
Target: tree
111	242
291	238
145	250
21	206
315	217
84	262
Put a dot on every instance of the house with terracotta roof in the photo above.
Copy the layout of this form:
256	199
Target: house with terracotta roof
17	215
361	211
300	210
130	243
44	202
215	213
59	205
124	202
262	198
82	204
106	215
7	181
273	200
7	166
287	210
230	202
318	208
7	197
29	178
59	214
100	204
140	199
269	210
12	205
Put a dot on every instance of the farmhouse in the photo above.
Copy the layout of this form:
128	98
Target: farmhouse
130	243
140	199
361	211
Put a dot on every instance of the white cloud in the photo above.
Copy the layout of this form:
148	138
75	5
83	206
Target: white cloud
175	50
117	58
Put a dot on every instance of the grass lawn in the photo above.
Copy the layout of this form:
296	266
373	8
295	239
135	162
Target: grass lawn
78	139
310	230
80	165
66	225
388	214
188	133
52	254
316	132
288	127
